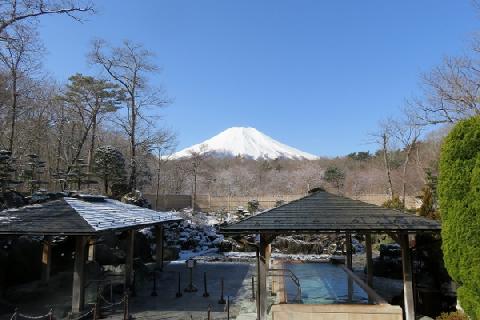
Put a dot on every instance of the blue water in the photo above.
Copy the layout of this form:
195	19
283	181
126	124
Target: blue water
323	283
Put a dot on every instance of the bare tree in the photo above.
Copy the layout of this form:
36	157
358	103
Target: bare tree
407	133
450	91
163	146
197	158
19	58
129	65
16	12
383	138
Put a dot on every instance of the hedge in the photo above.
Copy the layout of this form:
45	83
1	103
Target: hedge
459	196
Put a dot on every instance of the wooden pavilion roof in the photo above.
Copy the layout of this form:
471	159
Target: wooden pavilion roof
79	216
325	212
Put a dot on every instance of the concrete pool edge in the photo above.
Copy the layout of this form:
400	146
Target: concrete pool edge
336	311
379	310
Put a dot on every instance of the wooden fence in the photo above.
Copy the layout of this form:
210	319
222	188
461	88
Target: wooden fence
217	203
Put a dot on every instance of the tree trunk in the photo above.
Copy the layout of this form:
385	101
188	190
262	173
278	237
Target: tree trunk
404	173
14	112
133	146
387	165
194	190
105	185
157	191
91	152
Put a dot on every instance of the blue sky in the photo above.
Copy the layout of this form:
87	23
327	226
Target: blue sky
317	75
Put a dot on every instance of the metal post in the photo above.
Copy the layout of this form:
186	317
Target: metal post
154	290
228	307
209	312
179	291
221	300
205	291
253	287
159	235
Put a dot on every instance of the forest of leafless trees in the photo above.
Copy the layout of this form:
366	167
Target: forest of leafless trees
98	133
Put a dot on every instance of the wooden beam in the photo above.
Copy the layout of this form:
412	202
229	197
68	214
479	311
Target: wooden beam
129	258
408	302
263	265
46	258
371	293
78	287
159	230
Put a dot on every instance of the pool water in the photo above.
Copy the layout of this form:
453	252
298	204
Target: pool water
323	283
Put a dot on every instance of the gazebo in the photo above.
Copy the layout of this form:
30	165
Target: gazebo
85	218
323	212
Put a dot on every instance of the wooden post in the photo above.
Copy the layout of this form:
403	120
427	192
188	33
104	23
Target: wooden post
348	243
409	308
46	258
129	258
91	249
368	249
159	246
78	287
263	264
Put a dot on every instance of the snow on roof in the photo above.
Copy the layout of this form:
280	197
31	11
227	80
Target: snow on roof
113	214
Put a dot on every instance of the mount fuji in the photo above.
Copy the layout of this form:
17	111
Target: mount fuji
245	142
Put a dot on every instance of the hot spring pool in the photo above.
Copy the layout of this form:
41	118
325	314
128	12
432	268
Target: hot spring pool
323	283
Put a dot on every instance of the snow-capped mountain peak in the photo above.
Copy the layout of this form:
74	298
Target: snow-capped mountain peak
246	142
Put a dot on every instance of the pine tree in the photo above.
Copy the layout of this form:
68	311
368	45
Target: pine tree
109	166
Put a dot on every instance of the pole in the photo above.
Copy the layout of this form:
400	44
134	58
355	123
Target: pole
179	291
154	290
253	287
228	307
205	291
221	300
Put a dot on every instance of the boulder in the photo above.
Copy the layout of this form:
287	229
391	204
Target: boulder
171	253
106	255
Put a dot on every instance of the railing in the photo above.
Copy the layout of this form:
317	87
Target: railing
275	272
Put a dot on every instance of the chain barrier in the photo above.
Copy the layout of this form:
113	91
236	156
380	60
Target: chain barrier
86	314
110	304
17	315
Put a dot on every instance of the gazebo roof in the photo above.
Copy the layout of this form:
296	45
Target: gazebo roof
325	212
79	216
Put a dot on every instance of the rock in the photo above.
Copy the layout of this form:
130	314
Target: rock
225	246
136	198
171	253
390	250
12	199
105	255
